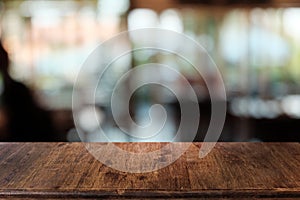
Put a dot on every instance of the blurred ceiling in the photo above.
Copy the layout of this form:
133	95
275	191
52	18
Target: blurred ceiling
159	5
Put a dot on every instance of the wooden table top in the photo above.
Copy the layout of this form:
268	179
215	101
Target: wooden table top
231	170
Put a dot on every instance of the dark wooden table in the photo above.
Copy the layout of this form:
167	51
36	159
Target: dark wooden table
231	170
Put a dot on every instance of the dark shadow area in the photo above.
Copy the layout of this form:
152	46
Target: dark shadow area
24	119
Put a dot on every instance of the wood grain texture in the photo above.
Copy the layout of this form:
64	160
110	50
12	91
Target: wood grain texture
231	170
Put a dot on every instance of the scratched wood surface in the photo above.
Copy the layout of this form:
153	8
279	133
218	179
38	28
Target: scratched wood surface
231	170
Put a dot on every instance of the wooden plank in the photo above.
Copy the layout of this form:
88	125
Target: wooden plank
231	170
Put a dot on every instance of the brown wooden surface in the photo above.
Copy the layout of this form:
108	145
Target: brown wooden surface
231	170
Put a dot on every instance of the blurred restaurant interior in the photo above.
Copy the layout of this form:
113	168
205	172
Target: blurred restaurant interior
255	44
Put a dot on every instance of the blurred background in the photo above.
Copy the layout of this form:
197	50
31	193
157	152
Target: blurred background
255	44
